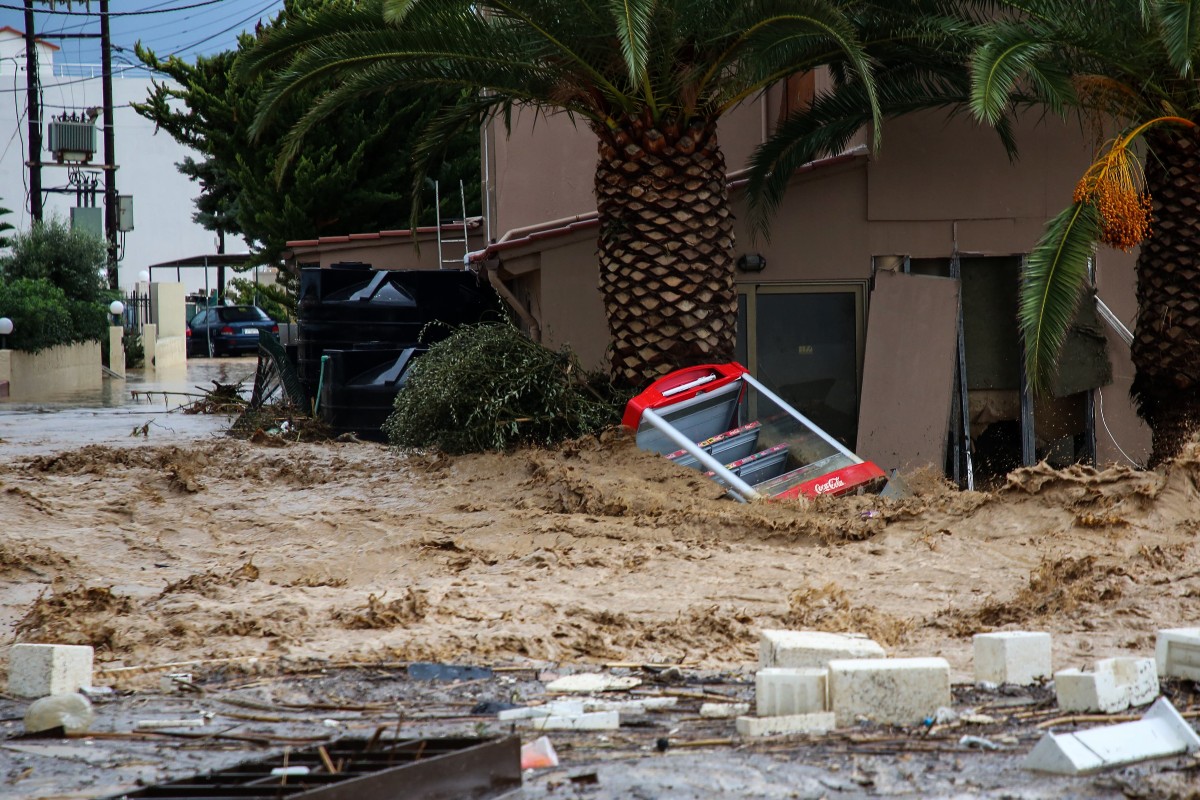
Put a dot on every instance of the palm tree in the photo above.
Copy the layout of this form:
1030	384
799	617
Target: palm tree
650	78
1131	66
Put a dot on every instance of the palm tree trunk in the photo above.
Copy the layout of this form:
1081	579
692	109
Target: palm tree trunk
666	250
1166	344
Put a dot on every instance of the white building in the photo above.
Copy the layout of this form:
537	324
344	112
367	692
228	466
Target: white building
162	196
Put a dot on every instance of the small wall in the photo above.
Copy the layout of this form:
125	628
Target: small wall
66	368
163	352
167	309
116	350
170	352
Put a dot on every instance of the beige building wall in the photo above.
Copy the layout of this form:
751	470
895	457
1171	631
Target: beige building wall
543	168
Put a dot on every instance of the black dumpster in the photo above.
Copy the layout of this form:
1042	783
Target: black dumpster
372	323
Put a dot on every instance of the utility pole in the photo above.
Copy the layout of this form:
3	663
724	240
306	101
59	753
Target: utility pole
221	267
34	113
110	156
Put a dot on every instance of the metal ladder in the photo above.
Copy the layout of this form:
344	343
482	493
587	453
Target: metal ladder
443	261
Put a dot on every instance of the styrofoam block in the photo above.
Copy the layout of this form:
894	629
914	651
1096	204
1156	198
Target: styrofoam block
891	691
820	722
39	670
1177	653
588	682
639	706
1077	690
595	721
784	691
812	649
1016	657
1140	675
1114	685
1160	732
555	708
723	710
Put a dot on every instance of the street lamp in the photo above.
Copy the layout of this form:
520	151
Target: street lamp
116	308
6	327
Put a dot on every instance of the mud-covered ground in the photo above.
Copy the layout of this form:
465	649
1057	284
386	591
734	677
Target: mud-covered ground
347	554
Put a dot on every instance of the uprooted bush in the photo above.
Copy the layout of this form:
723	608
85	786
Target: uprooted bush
488	387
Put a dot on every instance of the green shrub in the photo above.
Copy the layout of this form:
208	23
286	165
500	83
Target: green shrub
488	387
72	260
40	314
135	350
67	261
89	320
277	301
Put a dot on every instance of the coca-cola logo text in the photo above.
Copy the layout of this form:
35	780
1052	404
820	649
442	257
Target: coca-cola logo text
835	482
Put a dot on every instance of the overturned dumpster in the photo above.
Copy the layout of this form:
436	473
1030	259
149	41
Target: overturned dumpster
359	330
719	419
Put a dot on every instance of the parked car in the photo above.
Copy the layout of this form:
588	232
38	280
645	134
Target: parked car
227	330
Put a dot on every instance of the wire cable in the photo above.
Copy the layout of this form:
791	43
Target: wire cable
1104	422
142	13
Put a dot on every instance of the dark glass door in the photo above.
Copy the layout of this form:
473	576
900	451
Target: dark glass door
806	344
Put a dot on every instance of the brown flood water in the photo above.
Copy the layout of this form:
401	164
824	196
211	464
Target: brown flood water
113	413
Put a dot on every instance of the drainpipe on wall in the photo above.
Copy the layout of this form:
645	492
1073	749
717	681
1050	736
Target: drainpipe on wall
493	274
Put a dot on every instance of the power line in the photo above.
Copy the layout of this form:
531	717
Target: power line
258	13
142	13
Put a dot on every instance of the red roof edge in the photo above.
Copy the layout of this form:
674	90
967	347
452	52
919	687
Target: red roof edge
473	223
43	42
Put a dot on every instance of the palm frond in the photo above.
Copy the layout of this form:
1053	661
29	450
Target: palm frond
780	37
1052	282
395	11
997	67
633	20
1179	30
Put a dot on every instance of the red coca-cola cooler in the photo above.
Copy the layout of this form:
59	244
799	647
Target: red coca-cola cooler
719	419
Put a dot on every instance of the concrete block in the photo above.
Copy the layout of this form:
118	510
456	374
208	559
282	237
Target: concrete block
1178	653
812	649
784	691
820	722
1017	657
891	691
1160	732
1114	685
39	670
597	721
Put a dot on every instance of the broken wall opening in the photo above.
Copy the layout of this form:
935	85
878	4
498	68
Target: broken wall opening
1006	426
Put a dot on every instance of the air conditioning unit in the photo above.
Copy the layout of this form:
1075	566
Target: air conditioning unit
72	140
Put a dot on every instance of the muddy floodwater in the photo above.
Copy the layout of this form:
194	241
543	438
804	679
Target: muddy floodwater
144	406
304	576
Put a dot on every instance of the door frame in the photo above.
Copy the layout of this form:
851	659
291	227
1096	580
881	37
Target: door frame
859	288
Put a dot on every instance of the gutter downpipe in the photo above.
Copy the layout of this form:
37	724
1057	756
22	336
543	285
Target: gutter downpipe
493	276
562	222
1114	322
